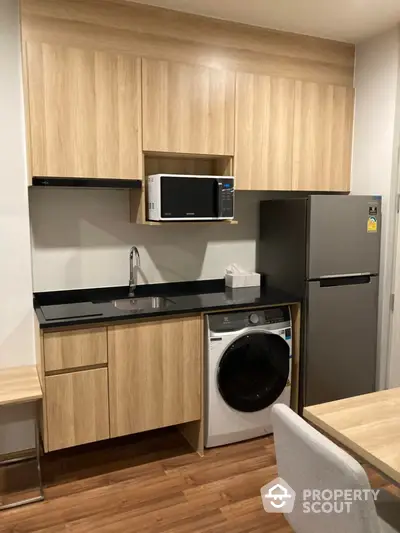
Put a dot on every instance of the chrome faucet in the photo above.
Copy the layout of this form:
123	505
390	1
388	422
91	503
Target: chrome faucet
132	273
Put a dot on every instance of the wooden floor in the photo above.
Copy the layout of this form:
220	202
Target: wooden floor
154	483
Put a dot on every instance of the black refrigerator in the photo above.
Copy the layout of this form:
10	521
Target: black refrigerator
325	249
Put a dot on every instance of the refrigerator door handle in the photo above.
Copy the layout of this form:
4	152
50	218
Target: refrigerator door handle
345	280
334	276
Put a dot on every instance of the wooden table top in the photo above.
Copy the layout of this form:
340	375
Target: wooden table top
368	425
19	385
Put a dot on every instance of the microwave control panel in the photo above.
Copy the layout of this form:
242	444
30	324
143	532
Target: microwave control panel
227	194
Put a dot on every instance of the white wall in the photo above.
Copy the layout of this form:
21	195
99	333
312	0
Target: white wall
81	238
375	154
16	315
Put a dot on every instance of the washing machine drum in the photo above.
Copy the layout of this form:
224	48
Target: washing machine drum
253	371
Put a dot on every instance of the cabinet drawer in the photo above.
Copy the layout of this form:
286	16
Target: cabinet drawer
77	408
64	350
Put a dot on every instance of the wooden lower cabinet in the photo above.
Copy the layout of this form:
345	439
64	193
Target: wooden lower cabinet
154	374
77	408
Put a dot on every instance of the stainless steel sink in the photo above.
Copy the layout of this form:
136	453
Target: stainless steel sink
143	304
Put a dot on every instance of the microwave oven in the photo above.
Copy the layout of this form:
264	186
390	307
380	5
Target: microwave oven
174	197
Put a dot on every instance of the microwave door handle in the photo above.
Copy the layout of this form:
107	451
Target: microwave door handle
219	198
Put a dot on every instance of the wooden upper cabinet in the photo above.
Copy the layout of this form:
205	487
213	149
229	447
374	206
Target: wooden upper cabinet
84	113
323	124
264	132
154	374
187	108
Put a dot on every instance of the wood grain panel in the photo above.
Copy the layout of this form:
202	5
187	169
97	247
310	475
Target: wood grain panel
160	33
77	408
209	166
342	138
369	425
39	350
26	111
76	348
84	111
264	132
154	374
322	137
187	109
19	385
185	165
223	166
193	432
41	409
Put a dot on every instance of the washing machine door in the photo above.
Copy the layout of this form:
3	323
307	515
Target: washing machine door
253	371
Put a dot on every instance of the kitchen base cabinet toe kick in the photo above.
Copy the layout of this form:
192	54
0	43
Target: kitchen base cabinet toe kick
106	382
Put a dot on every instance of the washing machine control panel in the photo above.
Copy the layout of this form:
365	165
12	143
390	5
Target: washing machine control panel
237	320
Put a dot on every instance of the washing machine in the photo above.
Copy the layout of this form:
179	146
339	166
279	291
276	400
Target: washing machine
248	369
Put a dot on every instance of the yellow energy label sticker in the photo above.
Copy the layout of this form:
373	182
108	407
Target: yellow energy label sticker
372	225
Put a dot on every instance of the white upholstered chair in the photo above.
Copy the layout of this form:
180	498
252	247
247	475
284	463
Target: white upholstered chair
308	460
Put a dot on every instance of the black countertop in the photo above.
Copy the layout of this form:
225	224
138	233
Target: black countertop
91	306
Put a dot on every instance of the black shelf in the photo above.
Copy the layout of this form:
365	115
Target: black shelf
87	183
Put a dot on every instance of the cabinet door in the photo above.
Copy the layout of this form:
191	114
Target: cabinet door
264	132
187	108
84	112
323	127
76	348
154	374
77	408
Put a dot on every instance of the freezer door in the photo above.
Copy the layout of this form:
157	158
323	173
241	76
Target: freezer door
343	236
340	340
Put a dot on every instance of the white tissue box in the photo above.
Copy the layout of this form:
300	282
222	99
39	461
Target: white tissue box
248	279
